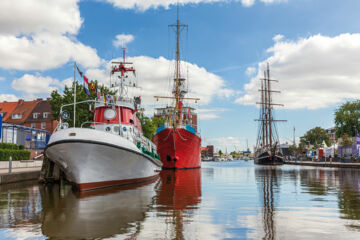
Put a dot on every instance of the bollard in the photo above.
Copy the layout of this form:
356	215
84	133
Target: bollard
10	164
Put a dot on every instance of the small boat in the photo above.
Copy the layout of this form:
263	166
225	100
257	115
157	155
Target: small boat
111	150
267	150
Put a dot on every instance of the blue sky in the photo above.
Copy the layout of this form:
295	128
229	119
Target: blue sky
315	55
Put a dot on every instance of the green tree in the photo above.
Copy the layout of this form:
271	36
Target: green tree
346	119
346	140
150	125
220	153
82	111
315	137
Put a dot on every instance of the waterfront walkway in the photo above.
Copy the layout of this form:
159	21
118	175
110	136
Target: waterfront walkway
324	164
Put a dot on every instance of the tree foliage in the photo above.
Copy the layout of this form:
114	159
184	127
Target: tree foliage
315	137
82	110
347	119
150	125
346	140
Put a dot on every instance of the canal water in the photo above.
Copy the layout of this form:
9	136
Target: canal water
223	200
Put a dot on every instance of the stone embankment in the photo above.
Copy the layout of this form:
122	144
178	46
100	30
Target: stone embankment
324	164
21	171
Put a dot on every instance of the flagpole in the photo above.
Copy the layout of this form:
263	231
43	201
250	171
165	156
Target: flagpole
74	93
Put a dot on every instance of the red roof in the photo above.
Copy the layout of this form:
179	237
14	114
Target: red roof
203	148
24	108
7	108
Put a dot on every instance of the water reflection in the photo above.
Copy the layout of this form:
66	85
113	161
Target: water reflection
96	214
267	180
220	201
179	194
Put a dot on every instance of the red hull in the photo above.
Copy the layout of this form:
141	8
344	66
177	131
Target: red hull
179	149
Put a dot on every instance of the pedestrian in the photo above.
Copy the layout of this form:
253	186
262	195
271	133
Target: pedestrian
330	158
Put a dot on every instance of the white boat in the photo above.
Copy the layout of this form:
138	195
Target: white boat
109	151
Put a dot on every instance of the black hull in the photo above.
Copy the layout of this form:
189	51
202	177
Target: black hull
266	159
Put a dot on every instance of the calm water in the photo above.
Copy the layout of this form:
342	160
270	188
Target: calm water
229	200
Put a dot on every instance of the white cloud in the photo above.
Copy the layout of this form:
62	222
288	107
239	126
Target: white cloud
122	39
278	37
273	1
44	51
33	16
314	72
154	78
250	71
143	5
40	35
229	143
210	113
8	98
247	3
34	85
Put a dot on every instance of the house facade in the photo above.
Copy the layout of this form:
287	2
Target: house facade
33	114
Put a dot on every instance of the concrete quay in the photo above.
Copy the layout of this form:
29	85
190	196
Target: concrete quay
324	164
24	170
19	176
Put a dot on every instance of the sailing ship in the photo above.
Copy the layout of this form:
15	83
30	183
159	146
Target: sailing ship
178	141
267	149
111	150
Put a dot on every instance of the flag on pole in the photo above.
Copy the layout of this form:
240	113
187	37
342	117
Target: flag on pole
86	85
80	72
92	87
98	94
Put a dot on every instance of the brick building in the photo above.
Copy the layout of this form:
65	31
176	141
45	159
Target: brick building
189	115
207	151
33	114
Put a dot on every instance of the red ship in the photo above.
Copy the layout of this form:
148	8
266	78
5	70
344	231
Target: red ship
178	141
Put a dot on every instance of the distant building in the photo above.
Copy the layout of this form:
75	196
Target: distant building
33	114
210	150
203	152
332	134
188	115
207	151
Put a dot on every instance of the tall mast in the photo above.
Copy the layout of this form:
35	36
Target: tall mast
266	131
266	110
177	91
269	106
176	124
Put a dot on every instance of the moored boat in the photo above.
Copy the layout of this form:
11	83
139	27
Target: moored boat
267	150
111	150
177	141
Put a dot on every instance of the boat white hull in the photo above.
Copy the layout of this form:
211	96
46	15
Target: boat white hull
91	160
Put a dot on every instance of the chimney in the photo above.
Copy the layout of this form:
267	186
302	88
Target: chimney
21	101
39	99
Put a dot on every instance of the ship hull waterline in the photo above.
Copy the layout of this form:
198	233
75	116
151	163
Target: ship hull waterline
268	159
178	149
90	164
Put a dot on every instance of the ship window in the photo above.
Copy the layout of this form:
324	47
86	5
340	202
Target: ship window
131	121
168	158
108	129
116	129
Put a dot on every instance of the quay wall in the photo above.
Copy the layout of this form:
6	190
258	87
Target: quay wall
324	164
19	177
21	164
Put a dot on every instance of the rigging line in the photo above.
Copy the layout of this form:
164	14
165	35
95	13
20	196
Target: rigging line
180	135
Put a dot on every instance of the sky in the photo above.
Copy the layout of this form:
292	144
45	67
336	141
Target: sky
312	47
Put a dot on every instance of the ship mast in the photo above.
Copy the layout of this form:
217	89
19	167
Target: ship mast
267	138
177	92
178	27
